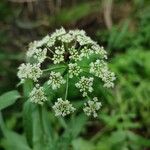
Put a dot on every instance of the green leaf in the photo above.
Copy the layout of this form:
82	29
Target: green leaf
27	121
81	144
77	127
15	141
37	130
8	99
41	139
138	140
12	140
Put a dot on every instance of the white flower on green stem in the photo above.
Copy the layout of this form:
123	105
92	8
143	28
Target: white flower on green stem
74	70
55	80
100	69
91	107
29	71
38	54
74	54
99	50
59	55
84	40
85	85
96	67
63	107
86	52
68	48
37	95
108	79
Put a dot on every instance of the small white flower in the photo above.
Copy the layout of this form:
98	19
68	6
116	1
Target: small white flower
74	54
45	40
51	42
66	38
59	55
84	40
38	54
63	107
24	70
91	107
37	95
96	67
85	85
99	50
29	71
58	32
86	52
108	79
76	33
35	72
74	70
100	69
55	80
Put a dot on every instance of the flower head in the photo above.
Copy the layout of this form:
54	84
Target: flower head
38	54
85	85
55	80
58	32
59	55
37	95
91	107
100	69
66	38
86	52
29	71
74	70
63	55
74	54
63	107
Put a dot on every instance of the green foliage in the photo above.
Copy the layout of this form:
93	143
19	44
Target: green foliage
8	99
122	124
76	13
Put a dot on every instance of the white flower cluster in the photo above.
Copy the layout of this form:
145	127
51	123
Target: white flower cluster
37	95
74	70
100	69
91	107
86	52
59	55
99	50
63	107
55	80
38	54
85	85
29	71
78	53
74	54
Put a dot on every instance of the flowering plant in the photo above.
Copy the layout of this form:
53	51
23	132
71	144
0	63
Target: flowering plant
57	60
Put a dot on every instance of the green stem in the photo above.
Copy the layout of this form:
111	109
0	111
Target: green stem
66	93
88	97
50	50
49	58
55	68
2	124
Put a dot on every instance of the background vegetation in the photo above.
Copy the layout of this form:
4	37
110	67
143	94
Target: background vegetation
123	28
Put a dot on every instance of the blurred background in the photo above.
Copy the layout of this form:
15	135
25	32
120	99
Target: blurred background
123	28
